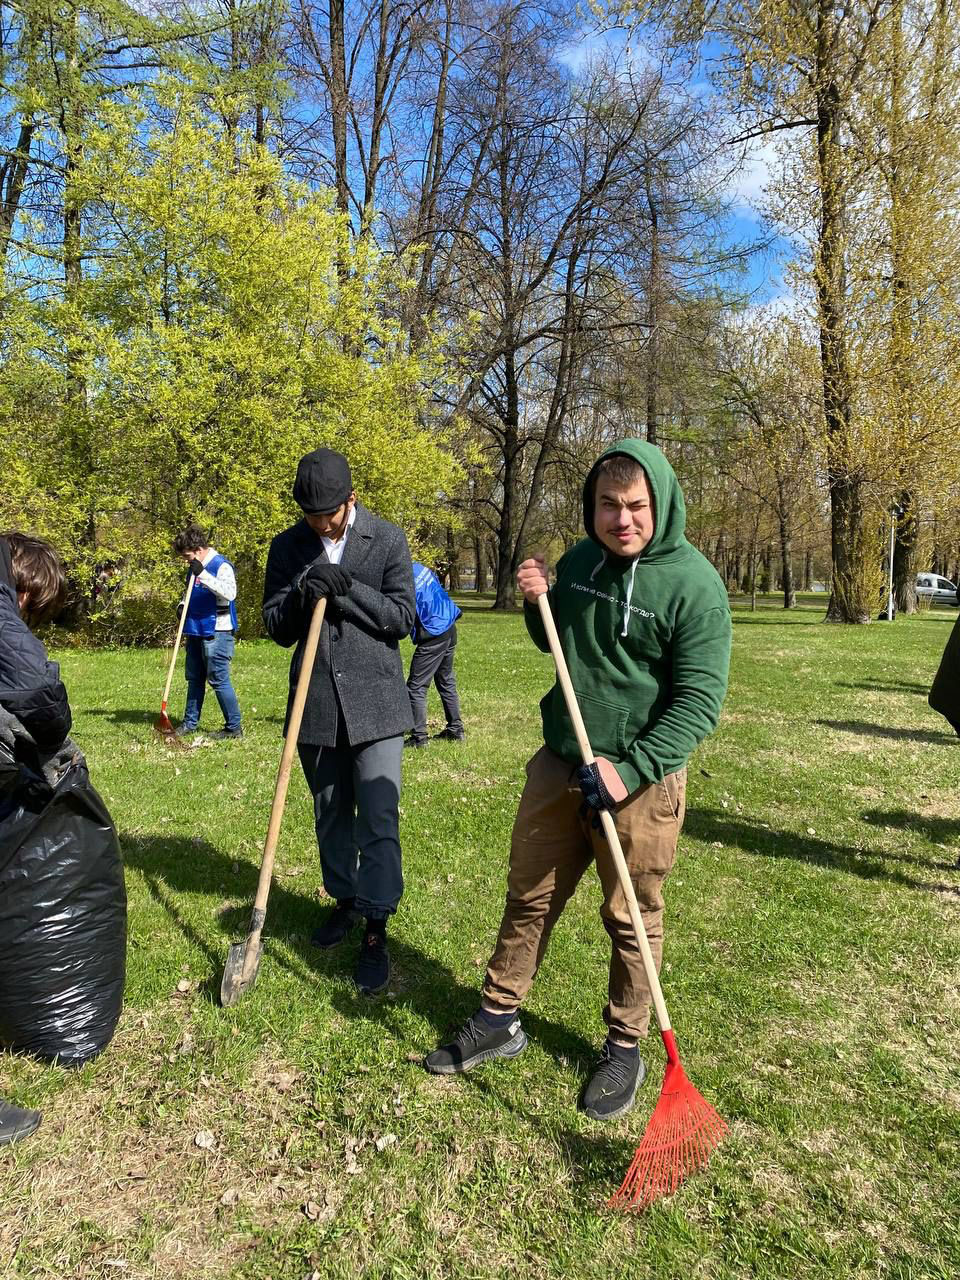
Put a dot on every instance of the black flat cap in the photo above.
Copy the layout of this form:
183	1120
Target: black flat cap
323	482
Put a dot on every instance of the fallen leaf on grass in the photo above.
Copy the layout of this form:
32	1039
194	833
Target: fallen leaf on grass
282	1081
230	1196
205	1140
384	1141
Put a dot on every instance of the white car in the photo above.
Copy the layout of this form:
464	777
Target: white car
941	591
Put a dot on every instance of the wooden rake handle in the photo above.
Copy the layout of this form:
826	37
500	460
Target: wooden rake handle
176	646
606	818
283	781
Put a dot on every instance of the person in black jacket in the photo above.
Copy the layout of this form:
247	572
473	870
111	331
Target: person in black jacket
945	691
357	709
31	590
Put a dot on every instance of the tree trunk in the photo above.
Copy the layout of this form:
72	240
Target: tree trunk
653	309
337	88
848	601
505	597
905	555
453	560
786	562
807	569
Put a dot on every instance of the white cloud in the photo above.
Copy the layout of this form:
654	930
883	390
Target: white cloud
747	185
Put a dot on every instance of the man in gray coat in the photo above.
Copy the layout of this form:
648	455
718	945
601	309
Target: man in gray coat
357	709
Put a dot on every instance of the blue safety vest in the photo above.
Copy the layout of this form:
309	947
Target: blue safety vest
204	605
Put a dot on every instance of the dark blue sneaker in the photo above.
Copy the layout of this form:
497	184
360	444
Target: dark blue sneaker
373	966
16	1123
341	920
611	1089
474	1043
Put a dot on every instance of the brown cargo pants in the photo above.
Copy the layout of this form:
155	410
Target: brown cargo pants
551	848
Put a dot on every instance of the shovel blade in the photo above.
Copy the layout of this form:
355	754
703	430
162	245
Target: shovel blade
233	985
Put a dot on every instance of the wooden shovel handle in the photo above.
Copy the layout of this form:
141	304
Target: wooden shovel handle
286	760
606	818
176	648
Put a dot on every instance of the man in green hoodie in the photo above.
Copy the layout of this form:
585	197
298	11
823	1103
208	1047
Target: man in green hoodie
645	626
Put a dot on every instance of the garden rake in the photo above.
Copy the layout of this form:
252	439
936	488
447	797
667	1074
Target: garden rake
163	724
684	1128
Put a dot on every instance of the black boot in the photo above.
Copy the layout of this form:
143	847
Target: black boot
16	1122
337	925
373	966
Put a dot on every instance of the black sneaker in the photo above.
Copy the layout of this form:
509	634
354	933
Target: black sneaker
450	735
16	1123
475	1043
337	925
373	967
611	1089
415	742
222	734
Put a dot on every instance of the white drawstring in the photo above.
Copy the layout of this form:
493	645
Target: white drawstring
626	606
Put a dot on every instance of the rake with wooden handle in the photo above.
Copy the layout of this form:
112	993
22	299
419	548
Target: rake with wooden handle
163	724
684	1128
243	958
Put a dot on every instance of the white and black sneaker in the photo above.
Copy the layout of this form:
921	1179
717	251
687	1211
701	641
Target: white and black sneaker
611	1089
476	1042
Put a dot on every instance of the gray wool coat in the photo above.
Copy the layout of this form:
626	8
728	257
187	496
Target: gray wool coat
358	659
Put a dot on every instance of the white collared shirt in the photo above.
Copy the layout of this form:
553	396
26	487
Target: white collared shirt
333	549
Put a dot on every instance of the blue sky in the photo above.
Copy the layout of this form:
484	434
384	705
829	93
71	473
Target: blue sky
765	276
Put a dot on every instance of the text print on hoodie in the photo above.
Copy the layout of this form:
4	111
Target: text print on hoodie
646	638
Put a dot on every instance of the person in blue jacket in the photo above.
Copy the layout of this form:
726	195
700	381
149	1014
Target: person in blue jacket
210	631
434	637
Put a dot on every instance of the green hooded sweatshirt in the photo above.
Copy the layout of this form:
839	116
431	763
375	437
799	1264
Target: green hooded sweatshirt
646	638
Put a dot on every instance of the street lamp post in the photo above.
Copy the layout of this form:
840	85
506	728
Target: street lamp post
895	513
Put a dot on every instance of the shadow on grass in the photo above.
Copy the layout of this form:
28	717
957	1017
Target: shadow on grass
886	731
136	715
893	686
938	830
710	825
172	868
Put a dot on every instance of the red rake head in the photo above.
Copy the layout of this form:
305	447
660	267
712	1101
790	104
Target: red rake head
681	1135
164	726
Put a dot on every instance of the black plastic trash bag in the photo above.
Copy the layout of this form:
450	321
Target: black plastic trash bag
63	915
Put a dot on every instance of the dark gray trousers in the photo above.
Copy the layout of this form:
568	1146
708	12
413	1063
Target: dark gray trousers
433	660
356	798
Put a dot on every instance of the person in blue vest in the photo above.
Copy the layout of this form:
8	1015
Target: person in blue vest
209	632
434	637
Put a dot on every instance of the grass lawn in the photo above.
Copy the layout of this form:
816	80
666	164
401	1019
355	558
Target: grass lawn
811	968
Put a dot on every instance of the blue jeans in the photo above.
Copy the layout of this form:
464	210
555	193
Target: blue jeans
208	661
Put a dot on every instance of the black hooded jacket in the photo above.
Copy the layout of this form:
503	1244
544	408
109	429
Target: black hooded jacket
30	686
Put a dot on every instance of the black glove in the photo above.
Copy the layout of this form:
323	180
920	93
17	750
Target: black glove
322	579
195	567
179	610
593	788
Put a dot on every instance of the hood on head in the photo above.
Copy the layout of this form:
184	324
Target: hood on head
669	511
